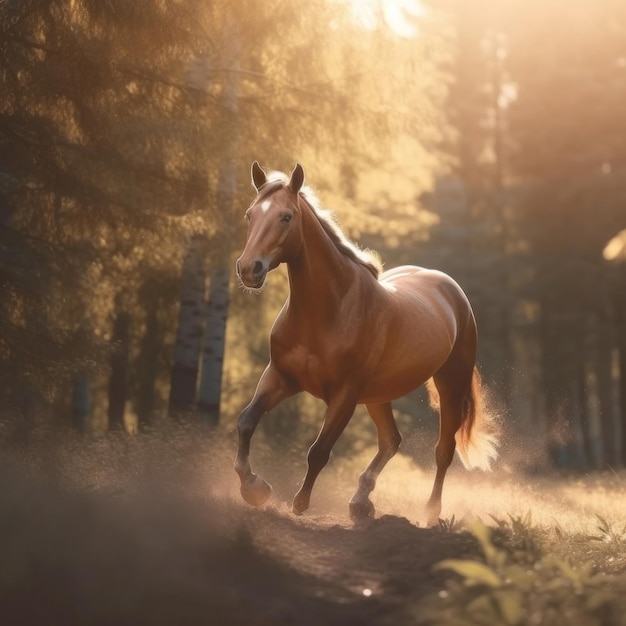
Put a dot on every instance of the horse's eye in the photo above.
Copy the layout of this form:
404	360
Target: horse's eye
286	218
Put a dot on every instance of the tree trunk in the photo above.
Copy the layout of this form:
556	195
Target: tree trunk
621	349
502	304
213	351
118	382
149	352
81	403
189	335
558	381
217	305
588	460
606	407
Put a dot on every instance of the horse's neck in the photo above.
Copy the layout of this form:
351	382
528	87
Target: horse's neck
321	275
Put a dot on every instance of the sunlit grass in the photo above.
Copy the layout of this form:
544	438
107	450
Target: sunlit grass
572	503
590	505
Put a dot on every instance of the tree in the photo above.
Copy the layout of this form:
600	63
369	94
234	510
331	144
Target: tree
566	124
98	151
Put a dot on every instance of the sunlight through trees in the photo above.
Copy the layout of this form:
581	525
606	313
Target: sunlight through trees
477	138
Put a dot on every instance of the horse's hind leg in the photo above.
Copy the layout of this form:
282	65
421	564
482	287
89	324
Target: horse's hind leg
388	442
453	383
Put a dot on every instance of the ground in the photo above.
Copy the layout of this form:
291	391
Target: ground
162	559
125	533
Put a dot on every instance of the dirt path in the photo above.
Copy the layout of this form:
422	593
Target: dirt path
157	557
378	572
153	532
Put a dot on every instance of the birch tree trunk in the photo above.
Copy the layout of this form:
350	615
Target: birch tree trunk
208	405
118	382
184	375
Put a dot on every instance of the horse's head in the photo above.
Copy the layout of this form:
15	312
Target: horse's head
274	229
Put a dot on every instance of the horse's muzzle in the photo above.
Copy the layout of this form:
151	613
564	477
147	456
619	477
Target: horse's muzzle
252	274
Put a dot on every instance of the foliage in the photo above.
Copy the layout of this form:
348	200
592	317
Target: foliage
521	538
114	127
450	525
489	146
514	585
92	134
607	533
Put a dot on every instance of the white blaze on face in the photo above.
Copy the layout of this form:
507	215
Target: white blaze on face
265	205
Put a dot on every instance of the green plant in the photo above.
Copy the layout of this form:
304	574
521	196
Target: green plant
504	589
607	532
520	537
450	525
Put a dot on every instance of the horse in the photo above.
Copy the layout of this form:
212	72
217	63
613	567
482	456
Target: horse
352	334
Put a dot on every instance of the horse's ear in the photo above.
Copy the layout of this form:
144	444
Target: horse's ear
297	178
259	177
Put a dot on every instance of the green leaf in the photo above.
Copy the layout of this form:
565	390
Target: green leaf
603	525
482	532
519	577
555	584
482	607
498	559
600	598
510	604
475	573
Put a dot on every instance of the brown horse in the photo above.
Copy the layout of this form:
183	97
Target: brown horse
349	334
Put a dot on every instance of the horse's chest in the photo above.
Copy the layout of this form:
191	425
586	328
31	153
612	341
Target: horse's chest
311	368
306	367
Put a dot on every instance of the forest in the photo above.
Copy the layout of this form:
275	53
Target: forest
485	139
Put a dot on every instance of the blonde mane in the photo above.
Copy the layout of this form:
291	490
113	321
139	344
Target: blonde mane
368	258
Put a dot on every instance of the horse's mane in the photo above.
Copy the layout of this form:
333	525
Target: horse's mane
368	258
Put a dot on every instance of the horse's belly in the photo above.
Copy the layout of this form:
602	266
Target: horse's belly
413	353
396	379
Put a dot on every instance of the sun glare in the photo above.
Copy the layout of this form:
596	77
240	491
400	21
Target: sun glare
398	15
616	248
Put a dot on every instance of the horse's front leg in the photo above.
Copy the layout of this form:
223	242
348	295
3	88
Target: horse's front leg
269	392
338	414
388	443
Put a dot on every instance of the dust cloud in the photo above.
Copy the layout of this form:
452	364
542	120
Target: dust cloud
151	529
518	484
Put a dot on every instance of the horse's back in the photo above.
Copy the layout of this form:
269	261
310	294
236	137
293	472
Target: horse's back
426	311
428	292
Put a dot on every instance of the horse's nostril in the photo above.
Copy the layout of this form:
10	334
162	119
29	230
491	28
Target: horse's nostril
258	268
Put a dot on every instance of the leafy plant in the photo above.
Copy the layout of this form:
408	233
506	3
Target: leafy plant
520	536
505	589
450	525
608	533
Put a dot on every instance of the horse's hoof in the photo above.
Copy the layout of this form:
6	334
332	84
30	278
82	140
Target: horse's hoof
300	504
255	490
360	511
432	518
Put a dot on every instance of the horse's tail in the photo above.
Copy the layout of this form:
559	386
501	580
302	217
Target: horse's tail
478	436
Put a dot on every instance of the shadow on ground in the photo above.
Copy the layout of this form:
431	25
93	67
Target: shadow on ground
155	555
